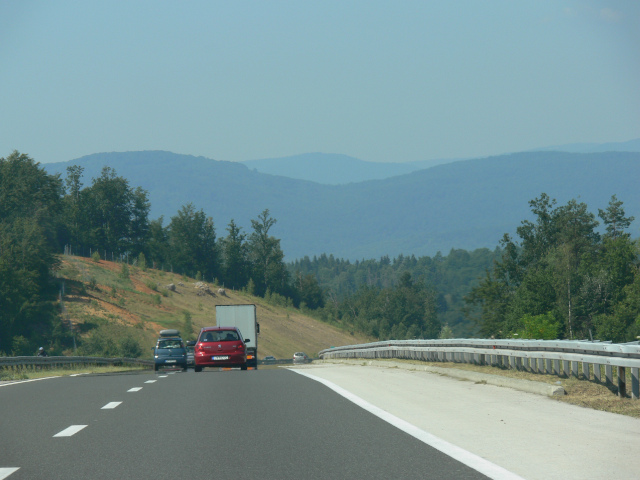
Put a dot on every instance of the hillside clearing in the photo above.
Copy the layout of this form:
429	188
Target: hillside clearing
99	294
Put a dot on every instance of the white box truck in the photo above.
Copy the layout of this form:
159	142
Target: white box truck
243	317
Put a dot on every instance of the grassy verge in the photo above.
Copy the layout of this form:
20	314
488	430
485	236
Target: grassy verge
33	372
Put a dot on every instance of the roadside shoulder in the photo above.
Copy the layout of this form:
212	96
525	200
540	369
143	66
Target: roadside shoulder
539	388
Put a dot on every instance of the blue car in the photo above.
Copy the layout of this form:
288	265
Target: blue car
170	351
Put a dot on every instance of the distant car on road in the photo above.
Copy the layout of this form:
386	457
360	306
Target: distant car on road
301	357
220	347
269	359
191	360
170	350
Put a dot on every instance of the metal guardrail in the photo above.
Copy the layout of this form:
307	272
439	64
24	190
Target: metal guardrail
563	358
65	361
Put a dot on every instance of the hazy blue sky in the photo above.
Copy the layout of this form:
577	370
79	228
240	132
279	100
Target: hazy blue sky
378	80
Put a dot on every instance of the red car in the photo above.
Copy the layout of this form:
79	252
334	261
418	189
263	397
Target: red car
220	347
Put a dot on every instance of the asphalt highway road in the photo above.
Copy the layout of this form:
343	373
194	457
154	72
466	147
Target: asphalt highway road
262	424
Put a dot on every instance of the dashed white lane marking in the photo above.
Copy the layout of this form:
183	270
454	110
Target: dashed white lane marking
134	389
72	430
162	376
5	472
151	381
111	405
479	464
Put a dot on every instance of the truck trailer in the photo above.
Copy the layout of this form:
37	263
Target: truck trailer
243	317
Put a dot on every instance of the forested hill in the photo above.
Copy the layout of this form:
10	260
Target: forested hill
464	205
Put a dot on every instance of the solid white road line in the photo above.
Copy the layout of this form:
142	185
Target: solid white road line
72	430
134	389
469	459
151	381
27	381
5	472
111	405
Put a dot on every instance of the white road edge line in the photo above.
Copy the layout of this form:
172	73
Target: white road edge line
469	459
27	381
134	389
5	472
110	405
69	431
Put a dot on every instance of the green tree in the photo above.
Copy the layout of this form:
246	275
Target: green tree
490	301
108	210
623	323
139	228
614	219
541	327
412	305
269	270
192	243
142	262
73	206
445	332
129	347
114	217
544	274
309	291
157	246
29	214
235	255
576	241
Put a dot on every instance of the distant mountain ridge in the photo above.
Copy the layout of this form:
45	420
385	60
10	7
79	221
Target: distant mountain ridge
629	146
465	204
337	169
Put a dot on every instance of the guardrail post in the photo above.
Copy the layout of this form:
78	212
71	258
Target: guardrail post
597	372
574	369
586	372
622	382
556	367
530	364
565	368
635	384
608	372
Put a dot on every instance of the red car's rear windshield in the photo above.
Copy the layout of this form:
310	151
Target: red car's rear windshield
220	336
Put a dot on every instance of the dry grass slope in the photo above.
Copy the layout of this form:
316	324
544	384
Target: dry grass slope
142	305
